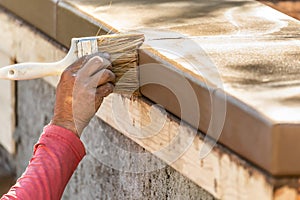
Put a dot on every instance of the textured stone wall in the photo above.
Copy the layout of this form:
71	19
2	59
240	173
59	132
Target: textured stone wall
93	179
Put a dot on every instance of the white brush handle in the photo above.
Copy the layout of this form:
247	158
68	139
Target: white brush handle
25	71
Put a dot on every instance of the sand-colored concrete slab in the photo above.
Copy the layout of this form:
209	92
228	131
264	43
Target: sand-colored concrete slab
247	49
128	14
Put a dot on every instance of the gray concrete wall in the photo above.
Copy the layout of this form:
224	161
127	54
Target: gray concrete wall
93	179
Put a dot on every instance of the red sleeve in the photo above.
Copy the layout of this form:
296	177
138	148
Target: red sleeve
55	157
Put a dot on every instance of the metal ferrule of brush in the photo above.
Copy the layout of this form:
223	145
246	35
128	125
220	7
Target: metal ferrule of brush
85	45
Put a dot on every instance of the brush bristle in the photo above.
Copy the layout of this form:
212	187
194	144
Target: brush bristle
123	50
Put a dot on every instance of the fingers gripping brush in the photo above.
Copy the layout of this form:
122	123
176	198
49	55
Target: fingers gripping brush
123	50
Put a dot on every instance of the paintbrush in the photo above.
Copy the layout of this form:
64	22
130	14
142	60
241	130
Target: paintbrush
122	48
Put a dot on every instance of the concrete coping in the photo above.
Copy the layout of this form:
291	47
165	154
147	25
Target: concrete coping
240	58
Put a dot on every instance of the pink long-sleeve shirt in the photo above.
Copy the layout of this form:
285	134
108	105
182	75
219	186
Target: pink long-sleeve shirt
55	158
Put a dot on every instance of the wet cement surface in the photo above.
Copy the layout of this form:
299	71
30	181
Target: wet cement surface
253	47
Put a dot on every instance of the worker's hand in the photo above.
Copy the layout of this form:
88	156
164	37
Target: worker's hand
80	92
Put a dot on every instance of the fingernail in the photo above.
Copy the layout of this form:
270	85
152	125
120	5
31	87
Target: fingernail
95	60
